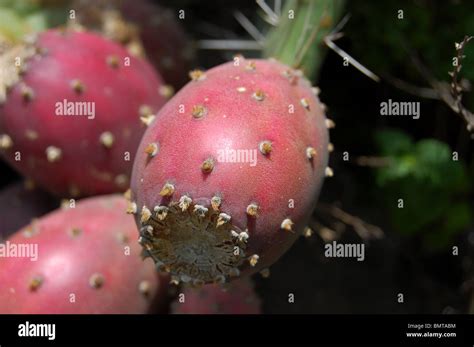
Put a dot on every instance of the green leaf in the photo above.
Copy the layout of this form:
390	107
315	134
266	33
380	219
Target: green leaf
393	142
425	176
433	152
457	217
422	205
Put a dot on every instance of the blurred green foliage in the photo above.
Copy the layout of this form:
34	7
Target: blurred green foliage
428	27
18	18
433	186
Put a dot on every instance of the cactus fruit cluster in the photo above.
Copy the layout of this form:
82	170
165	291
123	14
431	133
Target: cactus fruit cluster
205	216
73	107
88	261
221	179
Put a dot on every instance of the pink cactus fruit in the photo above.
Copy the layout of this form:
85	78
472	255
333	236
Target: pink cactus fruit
88	261
20	202
238	297
226	177
73	107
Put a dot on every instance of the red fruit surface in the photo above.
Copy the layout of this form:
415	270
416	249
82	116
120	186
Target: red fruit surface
20	204
72	155
259	106
89	252
238	297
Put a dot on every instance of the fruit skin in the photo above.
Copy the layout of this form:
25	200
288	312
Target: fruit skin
19	204
238	298
76	155
146	29
78	247
238	107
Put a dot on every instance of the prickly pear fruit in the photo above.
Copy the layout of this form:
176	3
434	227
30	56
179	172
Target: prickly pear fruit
88	261
238	298
228	173
19	204
145	29
72	111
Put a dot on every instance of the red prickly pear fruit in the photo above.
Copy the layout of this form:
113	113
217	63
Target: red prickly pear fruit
72	111
226	177
88	261
19	204
146	29
238	297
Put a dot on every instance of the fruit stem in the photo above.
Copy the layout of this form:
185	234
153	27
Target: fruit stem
298	39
